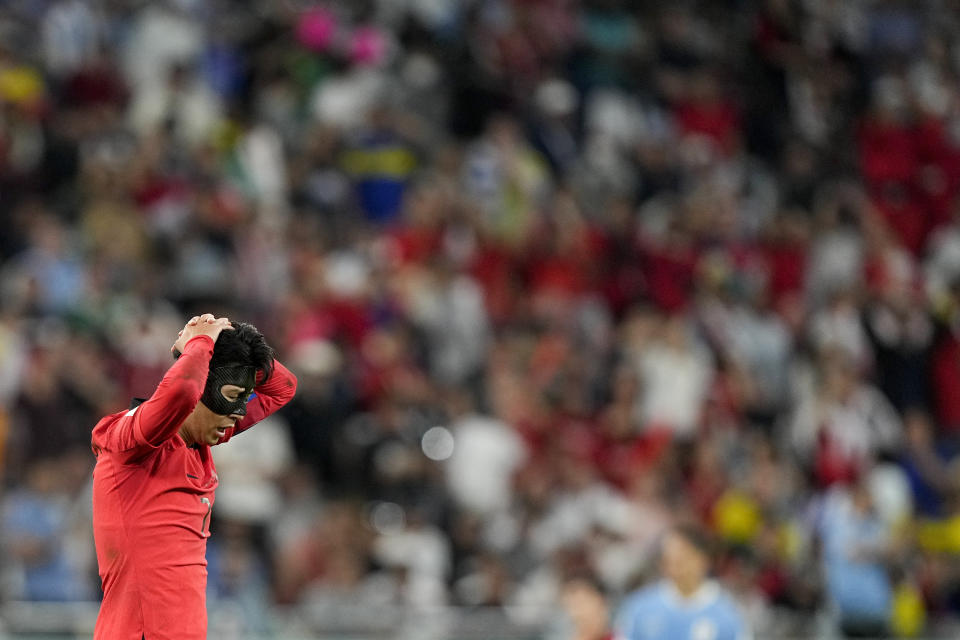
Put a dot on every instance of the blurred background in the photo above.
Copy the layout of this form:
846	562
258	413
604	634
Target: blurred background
554	275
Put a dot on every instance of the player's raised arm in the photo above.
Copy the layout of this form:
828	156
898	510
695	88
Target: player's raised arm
159	418
177	394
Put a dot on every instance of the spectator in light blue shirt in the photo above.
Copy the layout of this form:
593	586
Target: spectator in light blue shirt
686	604
856	545
35	523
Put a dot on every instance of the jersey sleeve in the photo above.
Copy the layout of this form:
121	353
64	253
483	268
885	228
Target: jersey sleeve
267	398
158	419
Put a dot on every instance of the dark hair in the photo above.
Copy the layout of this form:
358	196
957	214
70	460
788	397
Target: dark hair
587	578
244	345
696	537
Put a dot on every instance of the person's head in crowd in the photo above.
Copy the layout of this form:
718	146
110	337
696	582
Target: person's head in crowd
918	430
862	497
585	604
838	373
504	131
889	99
316	363
686	553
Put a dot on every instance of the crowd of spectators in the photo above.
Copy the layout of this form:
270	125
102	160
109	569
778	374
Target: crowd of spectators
553	275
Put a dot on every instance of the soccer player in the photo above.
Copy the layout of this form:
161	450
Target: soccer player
154	481
686	604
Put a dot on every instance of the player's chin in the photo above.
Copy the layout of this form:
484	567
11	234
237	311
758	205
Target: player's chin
216	436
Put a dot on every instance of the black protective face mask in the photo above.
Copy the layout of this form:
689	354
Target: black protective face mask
237	374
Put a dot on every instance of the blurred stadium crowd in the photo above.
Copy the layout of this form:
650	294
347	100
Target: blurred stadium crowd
553	274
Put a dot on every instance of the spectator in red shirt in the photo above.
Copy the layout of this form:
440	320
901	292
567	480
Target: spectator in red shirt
706	112
887	145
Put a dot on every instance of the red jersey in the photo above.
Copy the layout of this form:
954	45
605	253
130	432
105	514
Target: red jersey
152	497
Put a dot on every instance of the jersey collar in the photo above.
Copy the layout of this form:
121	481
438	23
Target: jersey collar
705	595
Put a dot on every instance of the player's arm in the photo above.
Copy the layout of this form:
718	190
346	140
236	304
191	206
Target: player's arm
268	396
160	417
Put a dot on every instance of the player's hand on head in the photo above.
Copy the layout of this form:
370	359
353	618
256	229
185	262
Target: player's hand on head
202	325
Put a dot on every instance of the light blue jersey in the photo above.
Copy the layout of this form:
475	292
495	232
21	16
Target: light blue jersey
659	612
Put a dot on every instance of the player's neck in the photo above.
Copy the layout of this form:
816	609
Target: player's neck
185	434
688	590
192	426
187	429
